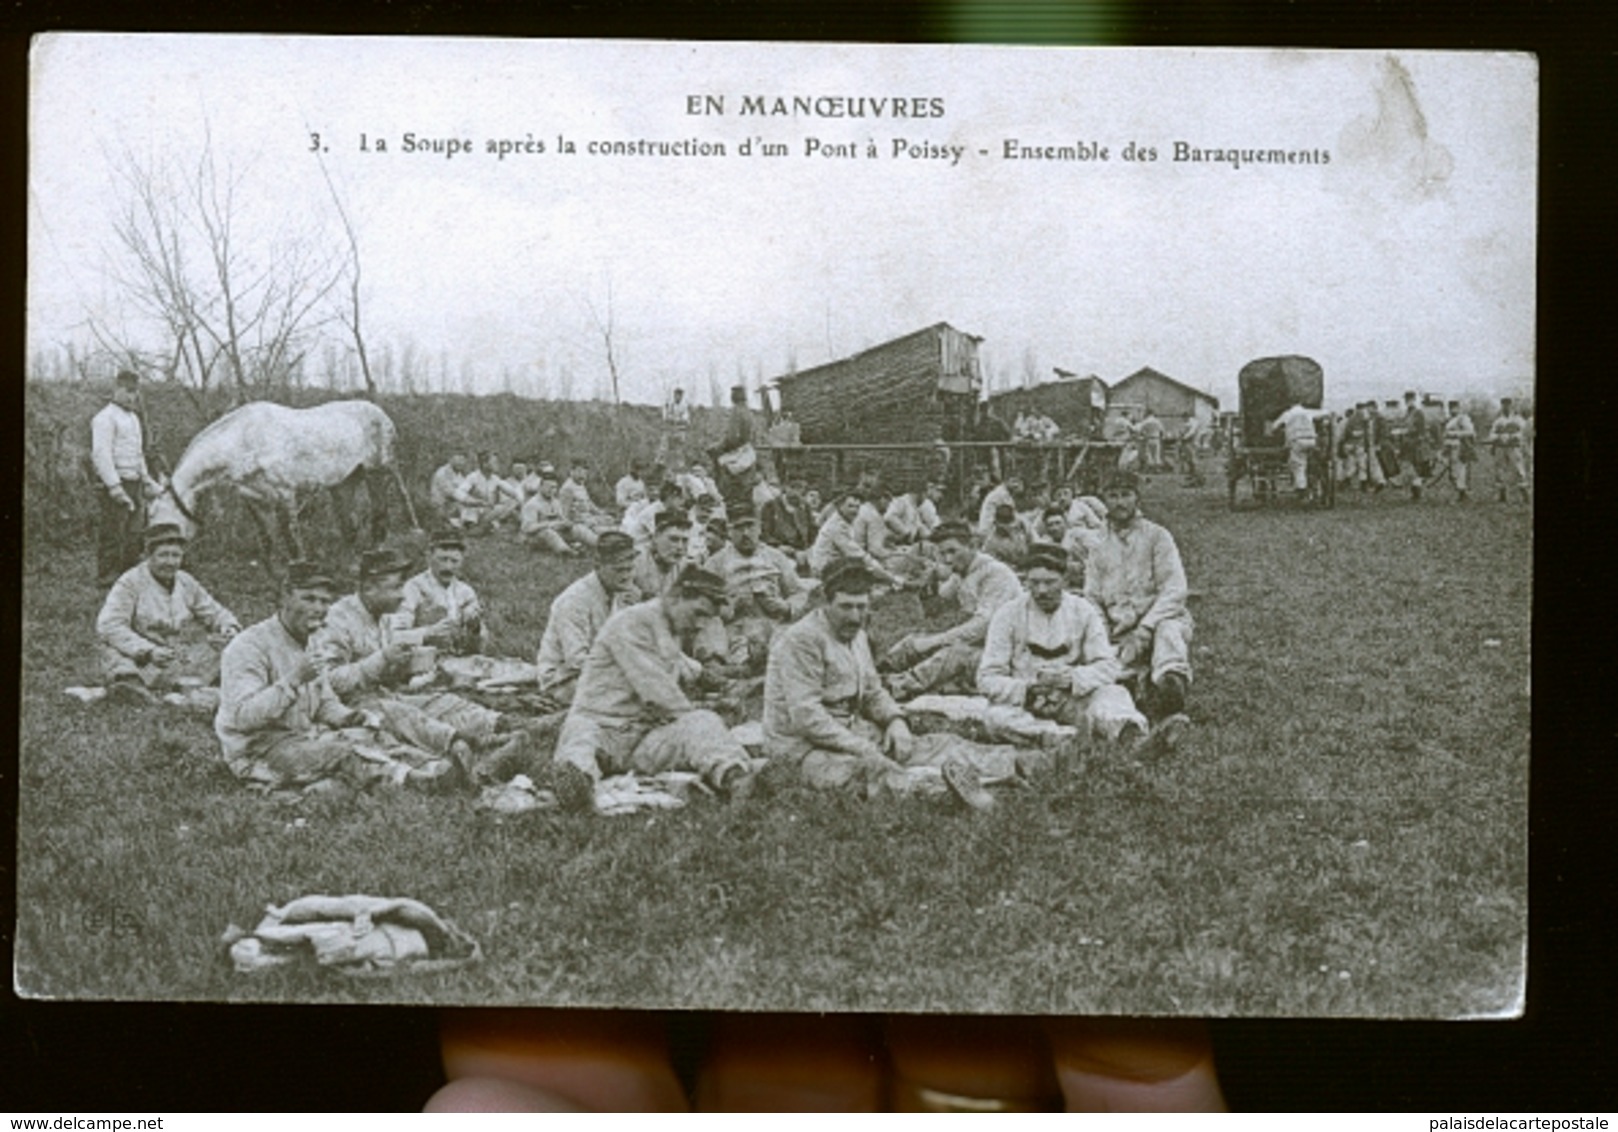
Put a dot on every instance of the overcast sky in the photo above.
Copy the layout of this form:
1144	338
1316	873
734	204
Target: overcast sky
1406	261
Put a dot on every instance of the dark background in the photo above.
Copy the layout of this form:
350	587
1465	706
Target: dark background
57	1057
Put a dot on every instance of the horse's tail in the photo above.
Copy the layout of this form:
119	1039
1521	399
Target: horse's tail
388	457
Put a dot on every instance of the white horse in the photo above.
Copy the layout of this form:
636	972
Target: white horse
276	458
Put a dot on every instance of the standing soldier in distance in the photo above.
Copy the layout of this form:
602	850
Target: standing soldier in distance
1506	436
1460	449
1415	451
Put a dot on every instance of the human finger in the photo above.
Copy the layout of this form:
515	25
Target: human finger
782	1063
957	1064
1135	1065
591	1060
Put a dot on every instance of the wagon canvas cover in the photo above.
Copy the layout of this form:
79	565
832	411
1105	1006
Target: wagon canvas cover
1271	386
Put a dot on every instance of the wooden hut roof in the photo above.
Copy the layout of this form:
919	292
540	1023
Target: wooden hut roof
1147	373
870	353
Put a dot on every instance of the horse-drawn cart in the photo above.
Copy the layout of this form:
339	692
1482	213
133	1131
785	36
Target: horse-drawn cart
1269	387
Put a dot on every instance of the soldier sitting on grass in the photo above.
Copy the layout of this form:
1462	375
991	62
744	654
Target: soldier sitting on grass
948	660
827	715
1048	651
159	629
1134	576
367	659
764	590
544	522
839	539
281	725
439	598
631	713
578	613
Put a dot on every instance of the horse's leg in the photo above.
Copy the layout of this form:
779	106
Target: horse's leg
342	501
266	535
291	528
376	494
410	506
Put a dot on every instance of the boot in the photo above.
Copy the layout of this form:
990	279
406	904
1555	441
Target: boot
1171	691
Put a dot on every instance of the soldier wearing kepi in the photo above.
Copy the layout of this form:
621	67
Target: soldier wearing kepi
440	598
659	561
630	712
367	658
118	455
279	722
1460	449
1049	652
1416	446
763	585
579	612
159	628
827	714
979	584
1507	436
1135	577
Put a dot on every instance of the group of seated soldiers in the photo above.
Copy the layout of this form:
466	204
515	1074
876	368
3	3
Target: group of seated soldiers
337	689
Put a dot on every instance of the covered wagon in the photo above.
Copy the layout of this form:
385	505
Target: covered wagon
1257	454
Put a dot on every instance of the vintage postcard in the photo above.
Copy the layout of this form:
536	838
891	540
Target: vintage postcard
778	526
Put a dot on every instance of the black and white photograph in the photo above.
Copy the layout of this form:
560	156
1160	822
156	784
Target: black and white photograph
778	527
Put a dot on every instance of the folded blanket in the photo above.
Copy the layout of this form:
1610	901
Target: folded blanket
357	935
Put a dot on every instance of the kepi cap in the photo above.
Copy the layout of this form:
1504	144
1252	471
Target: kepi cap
1046	555
307	575
159	533
848	576
694	581
380	563
614	546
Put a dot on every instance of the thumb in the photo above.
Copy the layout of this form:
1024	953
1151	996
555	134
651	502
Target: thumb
1135	1065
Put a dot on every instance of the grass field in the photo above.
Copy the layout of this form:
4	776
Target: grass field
1344	835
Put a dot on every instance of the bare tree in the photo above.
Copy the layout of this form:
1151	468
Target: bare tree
230	303
350	313
605	327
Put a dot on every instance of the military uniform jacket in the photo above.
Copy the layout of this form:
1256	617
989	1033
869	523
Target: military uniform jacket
816	685
140	613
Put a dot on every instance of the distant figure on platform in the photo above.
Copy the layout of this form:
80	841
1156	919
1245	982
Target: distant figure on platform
1150	431
671	446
